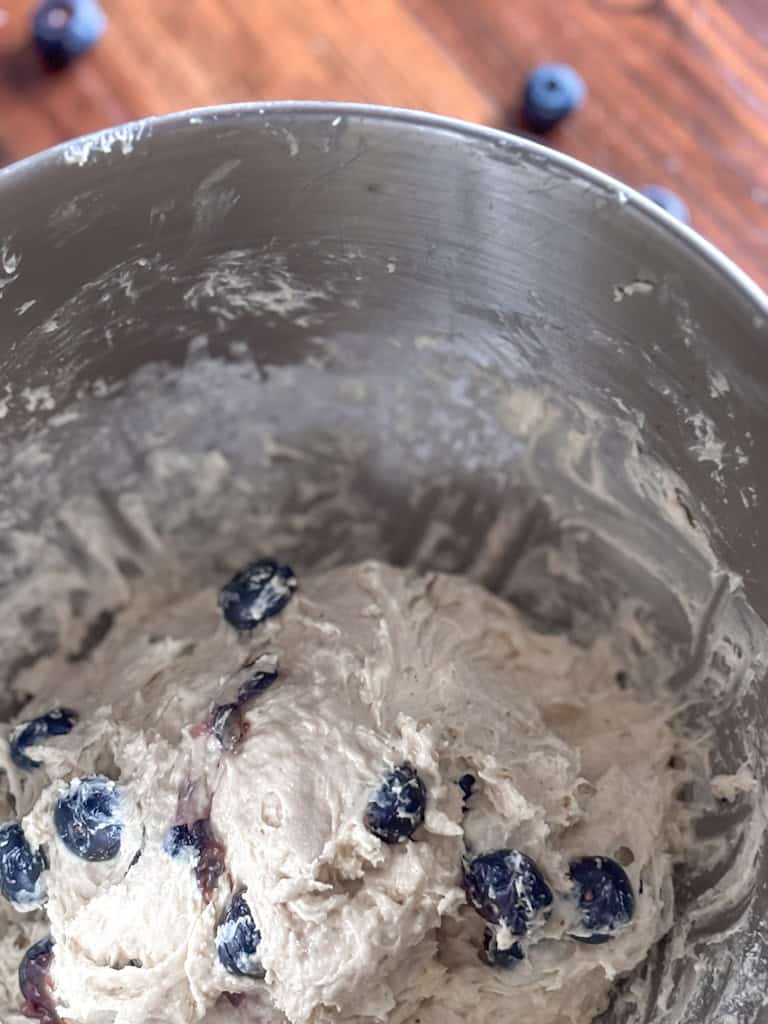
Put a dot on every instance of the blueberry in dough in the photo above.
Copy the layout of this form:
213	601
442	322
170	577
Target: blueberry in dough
237	940
35	982
227	725
507	958
397	809
505	887
257	682
466	785
605	898
257	592
87	818
226	722
21	868
57	722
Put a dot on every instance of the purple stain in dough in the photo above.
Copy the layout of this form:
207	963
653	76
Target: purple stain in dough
35	983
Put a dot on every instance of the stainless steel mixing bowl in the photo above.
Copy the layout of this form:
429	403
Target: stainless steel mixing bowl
242	287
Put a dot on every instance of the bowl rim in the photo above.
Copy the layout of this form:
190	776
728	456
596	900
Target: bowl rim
131	132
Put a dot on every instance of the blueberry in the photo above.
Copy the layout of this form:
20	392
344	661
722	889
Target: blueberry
21	869
466	785
57	722
667	200
86	818
397	809
505	887
198	843
237	940
227	725
258	681
260	590
65	29
552	92
509	957
604	893
226	721
35	982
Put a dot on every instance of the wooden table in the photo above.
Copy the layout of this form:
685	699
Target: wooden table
678	88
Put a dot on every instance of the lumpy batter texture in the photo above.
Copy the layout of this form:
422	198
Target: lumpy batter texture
392	800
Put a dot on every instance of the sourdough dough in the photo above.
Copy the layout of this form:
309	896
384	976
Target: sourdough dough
570	746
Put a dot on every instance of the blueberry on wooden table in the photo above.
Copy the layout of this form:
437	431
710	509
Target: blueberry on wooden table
667	200
257	592
552	93
397	808
496	957
237	940
21	869
57	722
66	29
605	899
35	982
87	818
506	888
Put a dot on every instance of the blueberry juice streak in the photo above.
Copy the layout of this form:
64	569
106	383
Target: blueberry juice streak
200	845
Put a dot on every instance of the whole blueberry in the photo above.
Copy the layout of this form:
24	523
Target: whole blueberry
87	818
667	200
505	887
226	722
605	898
57	722
260	590
237	940
21	869
65	29
35	982
509	957
552	92
397	809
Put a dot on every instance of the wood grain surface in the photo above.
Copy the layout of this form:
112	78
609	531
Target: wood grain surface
678	88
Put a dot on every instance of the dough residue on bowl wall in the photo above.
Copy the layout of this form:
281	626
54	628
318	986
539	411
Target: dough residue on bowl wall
585	703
